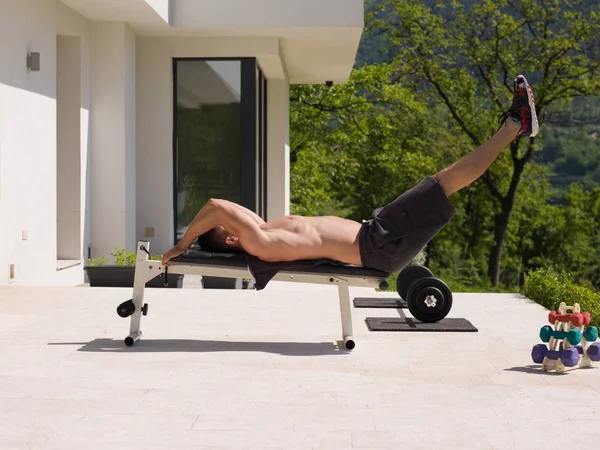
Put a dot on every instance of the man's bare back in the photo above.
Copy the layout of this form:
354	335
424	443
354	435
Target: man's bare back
293	238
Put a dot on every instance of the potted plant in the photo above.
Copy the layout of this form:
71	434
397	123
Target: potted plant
121	274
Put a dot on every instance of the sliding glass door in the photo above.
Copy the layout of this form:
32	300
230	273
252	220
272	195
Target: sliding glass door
218	135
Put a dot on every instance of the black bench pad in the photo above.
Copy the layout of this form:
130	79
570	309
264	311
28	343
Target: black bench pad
194	256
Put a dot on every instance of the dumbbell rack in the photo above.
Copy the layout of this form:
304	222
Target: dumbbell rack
573	328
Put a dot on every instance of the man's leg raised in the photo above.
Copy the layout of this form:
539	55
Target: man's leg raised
471	166
520	120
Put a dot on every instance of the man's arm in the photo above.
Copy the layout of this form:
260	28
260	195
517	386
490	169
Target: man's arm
236	219
205	220
251	215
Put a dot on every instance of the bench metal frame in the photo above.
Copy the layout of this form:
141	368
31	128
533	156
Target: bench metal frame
146	269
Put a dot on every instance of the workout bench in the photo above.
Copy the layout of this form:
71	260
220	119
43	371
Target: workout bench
235	266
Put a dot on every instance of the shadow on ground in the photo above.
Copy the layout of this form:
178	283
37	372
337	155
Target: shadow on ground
533	369
201	346
537	370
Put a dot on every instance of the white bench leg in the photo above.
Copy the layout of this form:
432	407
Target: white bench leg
139	285
346	313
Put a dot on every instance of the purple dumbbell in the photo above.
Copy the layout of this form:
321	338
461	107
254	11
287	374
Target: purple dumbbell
578	347
593	352
569	356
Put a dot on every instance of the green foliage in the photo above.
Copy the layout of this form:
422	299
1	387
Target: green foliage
97	262
359	145
311	178
549	288
124	258
572	152
565	236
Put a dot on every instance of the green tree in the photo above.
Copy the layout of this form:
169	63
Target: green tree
357	146
464	56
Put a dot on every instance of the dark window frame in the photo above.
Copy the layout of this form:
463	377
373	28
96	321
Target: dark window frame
262	142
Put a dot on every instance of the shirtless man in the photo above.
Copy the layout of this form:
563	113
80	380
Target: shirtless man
388	242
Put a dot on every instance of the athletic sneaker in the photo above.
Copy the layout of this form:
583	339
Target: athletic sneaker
523	108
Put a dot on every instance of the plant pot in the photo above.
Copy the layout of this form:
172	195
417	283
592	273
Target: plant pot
221	283
122	276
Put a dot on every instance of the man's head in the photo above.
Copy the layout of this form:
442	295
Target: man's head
218	240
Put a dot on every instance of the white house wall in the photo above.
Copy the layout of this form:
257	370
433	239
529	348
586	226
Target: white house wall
162	8
267	14
278	150
154	152
28	139
112	169
68	113
154	125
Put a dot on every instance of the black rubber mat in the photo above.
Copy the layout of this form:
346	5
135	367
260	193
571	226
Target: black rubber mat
409	324
382	302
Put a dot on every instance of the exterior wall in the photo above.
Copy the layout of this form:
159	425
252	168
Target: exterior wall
28	139
68	113
154	87
278	148
154	153
260	14
162	8
112	169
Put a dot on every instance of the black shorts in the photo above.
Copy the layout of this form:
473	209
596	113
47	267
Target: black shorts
399	231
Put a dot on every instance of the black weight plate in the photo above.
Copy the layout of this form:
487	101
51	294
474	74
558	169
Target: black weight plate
408	276
421	308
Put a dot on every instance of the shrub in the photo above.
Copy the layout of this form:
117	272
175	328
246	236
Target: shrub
549	289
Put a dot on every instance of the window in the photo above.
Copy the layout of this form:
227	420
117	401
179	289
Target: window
219	135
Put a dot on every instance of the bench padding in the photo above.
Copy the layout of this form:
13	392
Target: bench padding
263	271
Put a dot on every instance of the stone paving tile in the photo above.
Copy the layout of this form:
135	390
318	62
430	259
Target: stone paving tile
538	434
248	369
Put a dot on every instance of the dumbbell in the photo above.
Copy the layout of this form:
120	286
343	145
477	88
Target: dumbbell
593	352
568	356
573	336
590	334
577	319
408	276
586	318
578	347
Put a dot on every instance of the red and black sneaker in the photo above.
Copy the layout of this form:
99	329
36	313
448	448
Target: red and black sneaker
523	108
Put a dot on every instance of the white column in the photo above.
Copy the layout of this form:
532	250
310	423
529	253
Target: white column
278	148
154	154
112	133
68	129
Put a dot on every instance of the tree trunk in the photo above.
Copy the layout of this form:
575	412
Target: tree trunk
502	219
501	225
428	252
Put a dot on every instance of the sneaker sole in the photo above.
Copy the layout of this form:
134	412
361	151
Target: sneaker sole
535	127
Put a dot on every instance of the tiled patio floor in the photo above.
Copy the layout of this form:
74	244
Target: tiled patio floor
247	369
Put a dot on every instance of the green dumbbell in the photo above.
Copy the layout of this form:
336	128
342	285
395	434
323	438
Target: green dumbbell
573	336
590	334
